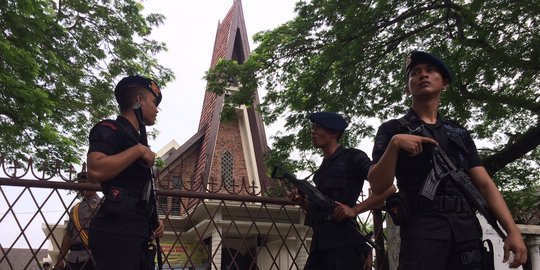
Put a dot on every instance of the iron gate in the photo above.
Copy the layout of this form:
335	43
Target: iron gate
209	227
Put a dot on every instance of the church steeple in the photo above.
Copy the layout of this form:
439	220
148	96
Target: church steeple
231	150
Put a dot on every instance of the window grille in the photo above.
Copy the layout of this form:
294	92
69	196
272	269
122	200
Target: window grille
227	169
171	205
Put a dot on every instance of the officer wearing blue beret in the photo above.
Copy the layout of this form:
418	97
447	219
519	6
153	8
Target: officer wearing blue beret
116	159
337	243
329	120
443	232
418	57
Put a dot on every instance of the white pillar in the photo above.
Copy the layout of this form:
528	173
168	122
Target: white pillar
393	243
533	245
216	249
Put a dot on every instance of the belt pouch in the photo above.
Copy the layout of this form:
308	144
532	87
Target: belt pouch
399	209
116	202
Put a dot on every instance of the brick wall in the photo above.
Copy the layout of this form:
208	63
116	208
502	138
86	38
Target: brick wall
229	139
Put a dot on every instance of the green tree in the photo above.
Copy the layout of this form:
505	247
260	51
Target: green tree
60	61
349	56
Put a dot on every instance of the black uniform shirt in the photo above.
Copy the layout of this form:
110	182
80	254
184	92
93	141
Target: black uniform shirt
412	171
340	177
112	137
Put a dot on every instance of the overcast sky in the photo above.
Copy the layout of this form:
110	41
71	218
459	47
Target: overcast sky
189	32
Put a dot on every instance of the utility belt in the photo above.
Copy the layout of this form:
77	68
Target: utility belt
317	215
402	206
442	203
120	201
325	217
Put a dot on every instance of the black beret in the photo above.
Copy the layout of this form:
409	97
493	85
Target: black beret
329	120
418	57
137	80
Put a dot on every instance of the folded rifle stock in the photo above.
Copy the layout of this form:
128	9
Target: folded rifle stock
306	188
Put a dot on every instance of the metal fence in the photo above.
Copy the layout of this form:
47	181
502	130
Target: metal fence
242	227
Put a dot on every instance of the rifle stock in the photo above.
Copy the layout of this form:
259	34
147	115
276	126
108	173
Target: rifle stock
148	195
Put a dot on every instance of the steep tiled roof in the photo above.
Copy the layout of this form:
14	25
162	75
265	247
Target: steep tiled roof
210	115
231	43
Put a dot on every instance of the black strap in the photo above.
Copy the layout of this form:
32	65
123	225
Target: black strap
404	122
126	131
489	257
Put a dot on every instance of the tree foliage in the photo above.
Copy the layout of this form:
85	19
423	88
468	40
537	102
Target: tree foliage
60	61
348	56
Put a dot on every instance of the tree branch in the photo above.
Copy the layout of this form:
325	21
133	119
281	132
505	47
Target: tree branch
513	151
482	42
484	96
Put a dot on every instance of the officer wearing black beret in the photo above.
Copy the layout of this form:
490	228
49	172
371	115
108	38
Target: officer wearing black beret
337	243
116	159
329	120
125	87
418	57
443	232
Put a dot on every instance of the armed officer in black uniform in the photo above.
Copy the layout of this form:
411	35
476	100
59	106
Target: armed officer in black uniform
443	233
337	242
119	233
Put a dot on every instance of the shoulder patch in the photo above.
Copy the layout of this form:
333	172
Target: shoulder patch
103	130
108	124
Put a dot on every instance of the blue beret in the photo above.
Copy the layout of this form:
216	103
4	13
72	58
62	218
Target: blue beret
418	57
137	80
329	120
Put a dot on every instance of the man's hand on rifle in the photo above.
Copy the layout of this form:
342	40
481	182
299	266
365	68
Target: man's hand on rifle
343	211
295	197
147	156
158	232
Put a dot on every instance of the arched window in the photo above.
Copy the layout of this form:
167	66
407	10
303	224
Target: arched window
176	200
227	169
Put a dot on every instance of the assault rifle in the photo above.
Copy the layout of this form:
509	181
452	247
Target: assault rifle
148	196
444	168
313	194
310	191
